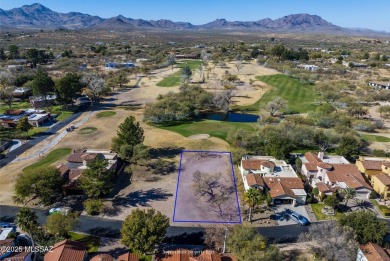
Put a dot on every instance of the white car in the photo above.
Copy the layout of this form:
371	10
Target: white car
63	210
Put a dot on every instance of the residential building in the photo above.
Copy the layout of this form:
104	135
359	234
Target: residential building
371	166
309	67
381	184
21	92
190	255
103	257
38	119
128	257
5	246
77	162
40	102
332	173
372	252
20	256
67	250
380	85
273	176
113	65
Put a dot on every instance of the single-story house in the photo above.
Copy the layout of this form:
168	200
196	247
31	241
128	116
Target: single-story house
113	65
102	257
21	256
380	85
67	250
40	102
309	67
372	252
128	257
38	119
21	92
190	255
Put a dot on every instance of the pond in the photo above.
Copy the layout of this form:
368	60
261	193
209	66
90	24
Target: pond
231	117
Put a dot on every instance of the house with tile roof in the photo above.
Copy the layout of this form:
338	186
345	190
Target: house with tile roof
21	256
190	255
128	257
371	166
102	257
77	162
331	173
381	184
67	250
372	252
273	176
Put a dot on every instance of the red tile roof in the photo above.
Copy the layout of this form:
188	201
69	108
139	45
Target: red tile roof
63	169
256	164
75	174
177	255
76	157
383	178
102	257
312	158
349	174
128	257
4	244
322	187
254	179
311	167
67	250
283	186
207	256
386	164
373	252
18	256
372	164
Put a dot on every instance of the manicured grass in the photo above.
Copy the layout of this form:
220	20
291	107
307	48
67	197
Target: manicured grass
300	96
87	130
105	114
383	209
174	79
92	242
64	115
50	158
15	106
375	138
219	129
36	130
321	216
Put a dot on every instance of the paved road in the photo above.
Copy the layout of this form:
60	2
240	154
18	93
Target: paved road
15	153
110	228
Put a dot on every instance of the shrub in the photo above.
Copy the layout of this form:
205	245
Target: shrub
373	194
93	206
322	197
269	199
316	191
363	125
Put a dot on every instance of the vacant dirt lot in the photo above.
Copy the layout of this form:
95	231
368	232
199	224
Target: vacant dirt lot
209	196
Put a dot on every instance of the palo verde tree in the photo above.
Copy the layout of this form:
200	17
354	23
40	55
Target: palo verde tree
143	229
96	179
129	134
186	74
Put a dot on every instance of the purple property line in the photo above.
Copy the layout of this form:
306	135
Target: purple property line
235	189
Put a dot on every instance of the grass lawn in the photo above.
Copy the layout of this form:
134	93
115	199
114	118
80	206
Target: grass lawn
299	96
36	130
174	79
92	242
87	130
105	114
321	216
219	129
15	105
383	209
375	138
50	158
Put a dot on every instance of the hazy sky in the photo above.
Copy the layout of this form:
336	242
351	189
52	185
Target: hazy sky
372	14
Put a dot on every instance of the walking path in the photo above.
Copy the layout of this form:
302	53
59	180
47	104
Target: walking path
55	141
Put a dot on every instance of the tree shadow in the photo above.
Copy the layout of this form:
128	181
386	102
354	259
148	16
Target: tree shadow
121	182
161	167
141	198
167	152
9	219
186	238
104	232
112	211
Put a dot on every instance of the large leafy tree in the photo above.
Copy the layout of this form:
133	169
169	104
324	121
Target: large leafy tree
120	78
42	84
186	73
143	229
35	56
367	226
248	245
332	201
13	51
7	79
96	86
96	179
59	224
41	182
27	221
329	241
129	134
253	198
67	87
24	125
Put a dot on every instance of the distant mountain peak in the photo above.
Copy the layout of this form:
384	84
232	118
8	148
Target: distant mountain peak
37	16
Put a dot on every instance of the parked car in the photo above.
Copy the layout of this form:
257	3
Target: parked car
301	220
63	210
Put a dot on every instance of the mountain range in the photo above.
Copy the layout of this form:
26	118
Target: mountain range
37	16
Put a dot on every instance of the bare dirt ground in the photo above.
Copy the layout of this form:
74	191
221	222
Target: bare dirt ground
245	93
219	203
372	111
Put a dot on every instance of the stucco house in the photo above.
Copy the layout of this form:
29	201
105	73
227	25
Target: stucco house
381	184
274	176
333	173
371	166
372	252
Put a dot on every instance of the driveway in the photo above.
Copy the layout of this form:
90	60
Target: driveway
280	214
